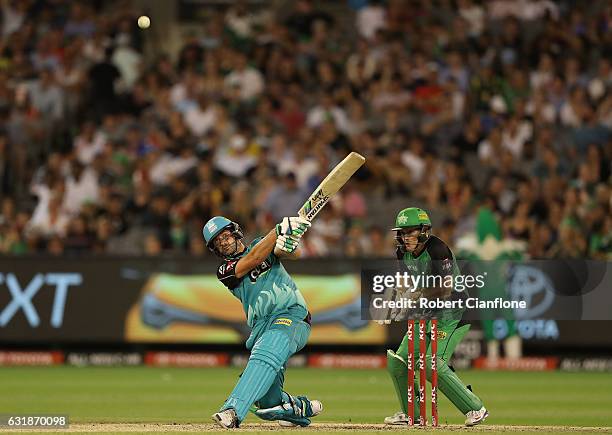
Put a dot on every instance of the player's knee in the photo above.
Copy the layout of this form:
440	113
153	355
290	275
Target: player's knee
272	348
268	356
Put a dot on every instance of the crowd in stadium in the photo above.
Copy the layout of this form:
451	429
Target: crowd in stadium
455	104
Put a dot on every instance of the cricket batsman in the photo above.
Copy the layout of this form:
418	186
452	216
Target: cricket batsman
423	253
276	313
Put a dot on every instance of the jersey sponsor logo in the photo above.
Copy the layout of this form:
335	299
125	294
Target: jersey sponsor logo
256	273
283	321
226	267
412	267
447	264
441	335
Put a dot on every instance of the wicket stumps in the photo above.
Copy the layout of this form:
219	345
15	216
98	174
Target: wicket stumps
423	372
434	372
410	364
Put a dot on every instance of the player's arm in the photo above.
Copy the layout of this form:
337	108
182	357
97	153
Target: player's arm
284	255
231	272
283	238
257	255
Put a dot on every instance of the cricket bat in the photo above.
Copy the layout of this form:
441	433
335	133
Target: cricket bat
330	185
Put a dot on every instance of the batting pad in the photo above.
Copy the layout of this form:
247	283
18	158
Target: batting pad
269	355
455	390
396	366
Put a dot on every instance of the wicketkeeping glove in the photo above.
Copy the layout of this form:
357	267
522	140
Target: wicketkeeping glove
293	226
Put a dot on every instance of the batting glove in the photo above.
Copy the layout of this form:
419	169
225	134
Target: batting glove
294	226
286	244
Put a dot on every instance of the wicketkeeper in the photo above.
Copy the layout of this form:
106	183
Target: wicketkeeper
275	311
423	253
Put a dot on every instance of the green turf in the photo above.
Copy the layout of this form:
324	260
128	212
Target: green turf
142	394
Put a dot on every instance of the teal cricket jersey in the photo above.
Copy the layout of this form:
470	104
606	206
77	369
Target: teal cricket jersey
265	291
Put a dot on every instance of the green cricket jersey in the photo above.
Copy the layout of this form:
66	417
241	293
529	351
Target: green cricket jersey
434	259
265	291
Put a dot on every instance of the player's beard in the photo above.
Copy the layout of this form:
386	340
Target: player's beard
226	249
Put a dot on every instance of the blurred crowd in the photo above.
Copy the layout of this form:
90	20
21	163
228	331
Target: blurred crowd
455	104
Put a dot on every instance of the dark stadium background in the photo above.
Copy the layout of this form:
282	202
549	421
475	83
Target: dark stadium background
117	143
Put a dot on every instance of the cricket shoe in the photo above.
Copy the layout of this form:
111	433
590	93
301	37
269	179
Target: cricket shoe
473	418
226	418
295	412
399	418
315	405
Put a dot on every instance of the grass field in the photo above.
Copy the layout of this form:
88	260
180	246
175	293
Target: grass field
189	396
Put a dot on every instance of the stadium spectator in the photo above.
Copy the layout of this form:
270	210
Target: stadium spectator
106	149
